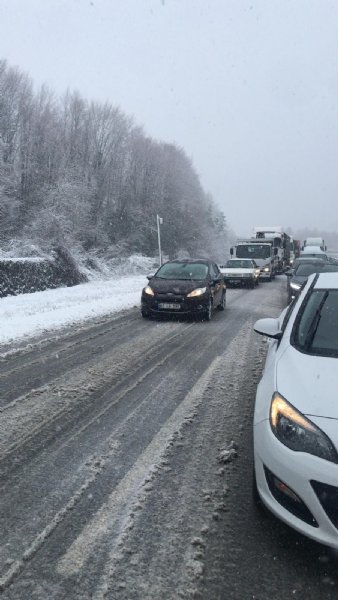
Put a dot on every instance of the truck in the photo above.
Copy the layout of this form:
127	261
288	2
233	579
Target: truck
262	252
295	247
282	241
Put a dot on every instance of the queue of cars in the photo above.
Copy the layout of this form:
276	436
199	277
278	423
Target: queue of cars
296	413
195	286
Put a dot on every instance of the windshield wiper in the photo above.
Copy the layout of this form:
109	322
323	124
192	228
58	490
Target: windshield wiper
315	323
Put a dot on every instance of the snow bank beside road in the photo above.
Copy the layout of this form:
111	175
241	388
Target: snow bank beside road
32	314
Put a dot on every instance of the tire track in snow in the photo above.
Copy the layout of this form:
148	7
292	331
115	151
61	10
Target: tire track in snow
123	500
19	417
64	356
197	355
146	577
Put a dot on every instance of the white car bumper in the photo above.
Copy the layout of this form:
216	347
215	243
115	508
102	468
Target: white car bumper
265	275
302	473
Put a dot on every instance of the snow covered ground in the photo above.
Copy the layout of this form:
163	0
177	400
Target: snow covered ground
32	314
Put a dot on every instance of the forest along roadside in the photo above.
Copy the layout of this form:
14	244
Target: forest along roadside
123	497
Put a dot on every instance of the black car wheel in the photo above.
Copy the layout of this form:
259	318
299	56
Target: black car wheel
145	314
208	312
221	305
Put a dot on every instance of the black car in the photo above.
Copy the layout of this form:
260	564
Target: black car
298	276
184	287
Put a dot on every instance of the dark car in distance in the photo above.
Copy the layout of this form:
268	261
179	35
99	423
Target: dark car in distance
183	287
303	269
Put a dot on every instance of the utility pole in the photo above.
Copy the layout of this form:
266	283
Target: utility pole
159	222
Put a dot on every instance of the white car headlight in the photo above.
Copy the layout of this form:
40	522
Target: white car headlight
266	269
149	291
197	292
297	432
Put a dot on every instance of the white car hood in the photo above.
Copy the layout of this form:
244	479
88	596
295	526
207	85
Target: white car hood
309	383
226	271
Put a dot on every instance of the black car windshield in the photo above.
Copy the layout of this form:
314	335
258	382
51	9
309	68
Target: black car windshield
306	269
253	251
239	264
184	270
316	331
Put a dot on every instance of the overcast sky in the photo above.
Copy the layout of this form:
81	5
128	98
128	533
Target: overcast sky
248	88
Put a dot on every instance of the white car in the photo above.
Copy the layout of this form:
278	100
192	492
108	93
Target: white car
296	412
313	252
241	271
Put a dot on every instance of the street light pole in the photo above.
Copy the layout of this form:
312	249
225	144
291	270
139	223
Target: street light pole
159	222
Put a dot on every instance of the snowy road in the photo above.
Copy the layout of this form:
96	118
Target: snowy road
125	465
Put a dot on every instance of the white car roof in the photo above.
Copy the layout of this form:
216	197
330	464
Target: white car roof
327	280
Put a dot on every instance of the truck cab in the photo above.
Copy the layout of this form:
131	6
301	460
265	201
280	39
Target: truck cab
281	241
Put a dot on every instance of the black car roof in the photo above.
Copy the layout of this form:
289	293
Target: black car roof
190	260
314	261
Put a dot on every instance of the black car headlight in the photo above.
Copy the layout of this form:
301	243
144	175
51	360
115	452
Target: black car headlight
297	432
197	292
148	290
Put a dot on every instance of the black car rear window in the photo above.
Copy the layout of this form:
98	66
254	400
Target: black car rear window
316	331
183	271
304	269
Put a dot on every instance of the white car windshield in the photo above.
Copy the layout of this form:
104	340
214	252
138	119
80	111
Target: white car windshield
316	330
239	264
253	251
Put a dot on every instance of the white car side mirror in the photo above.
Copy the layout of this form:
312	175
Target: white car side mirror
268	327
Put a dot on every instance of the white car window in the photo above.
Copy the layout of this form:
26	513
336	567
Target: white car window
316	330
